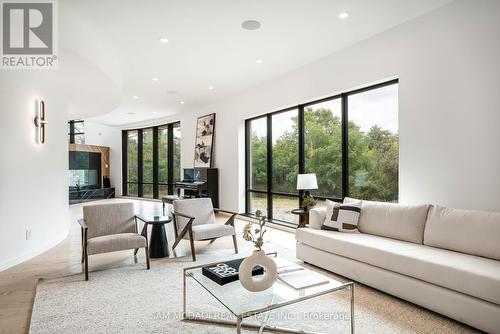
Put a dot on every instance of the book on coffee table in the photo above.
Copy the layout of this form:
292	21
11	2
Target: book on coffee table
227	271
286	266
301	279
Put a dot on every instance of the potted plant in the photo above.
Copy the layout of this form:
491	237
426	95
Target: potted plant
308	202
256	234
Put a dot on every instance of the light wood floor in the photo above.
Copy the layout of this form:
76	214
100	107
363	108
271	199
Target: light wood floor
18	284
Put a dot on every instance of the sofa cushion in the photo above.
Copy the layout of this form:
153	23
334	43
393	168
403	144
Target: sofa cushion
472	275
466	231
393	220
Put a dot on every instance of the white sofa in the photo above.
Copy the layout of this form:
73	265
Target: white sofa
446	260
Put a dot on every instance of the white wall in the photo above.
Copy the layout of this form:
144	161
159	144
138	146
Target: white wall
103	135
448	63
33	177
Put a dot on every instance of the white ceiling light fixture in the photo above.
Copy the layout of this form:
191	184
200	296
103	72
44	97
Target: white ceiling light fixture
135	97
156	79
163	40
259	61
210	87
250	25
343	15
182	102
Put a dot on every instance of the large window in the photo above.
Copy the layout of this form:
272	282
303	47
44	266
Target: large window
350	141
374	144
132	170
151	160
76	132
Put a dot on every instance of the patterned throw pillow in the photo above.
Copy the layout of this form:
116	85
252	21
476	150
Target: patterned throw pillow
342	217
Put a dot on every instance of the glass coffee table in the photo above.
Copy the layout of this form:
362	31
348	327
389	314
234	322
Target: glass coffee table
243	303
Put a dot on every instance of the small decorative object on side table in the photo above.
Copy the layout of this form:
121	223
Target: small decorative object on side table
258	258
158	244
305	182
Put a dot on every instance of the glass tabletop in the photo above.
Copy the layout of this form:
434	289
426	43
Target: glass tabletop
242	302
155	219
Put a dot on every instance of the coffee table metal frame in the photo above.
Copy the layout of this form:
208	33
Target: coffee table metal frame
239	317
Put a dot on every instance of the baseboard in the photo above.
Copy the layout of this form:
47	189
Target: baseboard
9	263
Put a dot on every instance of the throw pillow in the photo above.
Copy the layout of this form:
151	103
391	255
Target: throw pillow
344	217
332	211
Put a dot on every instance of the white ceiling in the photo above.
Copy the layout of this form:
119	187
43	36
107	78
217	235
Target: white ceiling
208	47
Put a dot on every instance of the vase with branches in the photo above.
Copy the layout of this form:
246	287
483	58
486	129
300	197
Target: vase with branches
256	234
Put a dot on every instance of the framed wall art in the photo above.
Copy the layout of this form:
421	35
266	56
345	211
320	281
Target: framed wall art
205	131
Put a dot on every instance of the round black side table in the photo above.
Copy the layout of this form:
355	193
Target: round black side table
158	243
303	217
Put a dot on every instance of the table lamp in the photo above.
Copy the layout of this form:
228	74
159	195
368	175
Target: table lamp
307	182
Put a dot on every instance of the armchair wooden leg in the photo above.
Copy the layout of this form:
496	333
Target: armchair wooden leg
83	246
192	244
147	257
235	244
86	264
212	241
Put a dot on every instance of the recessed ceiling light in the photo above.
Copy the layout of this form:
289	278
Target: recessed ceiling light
155	112
250	25
182	102
135	97
343	15
156	79
211	87
259	61
163	40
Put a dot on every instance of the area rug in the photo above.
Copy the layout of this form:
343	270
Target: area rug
130	299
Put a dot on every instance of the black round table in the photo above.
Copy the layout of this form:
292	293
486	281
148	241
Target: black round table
158	243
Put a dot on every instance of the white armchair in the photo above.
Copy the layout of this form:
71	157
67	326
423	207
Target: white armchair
194	219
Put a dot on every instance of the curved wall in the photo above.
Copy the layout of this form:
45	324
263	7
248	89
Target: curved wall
33	177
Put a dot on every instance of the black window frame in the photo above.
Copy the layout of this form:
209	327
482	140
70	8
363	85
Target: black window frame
344	98
140	160
71	130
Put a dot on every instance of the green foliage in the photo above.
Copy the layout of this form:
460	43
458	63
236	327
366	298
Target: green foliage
308	201
373	158
257	236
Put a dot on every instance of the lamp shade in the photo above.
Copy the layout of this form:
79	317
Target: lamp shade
307	181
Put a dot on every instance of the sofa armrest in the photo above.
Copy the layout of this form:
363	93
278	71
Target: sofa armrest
316	218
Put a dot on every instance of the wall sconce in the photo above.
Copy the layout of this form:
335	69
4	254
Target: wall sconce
40	122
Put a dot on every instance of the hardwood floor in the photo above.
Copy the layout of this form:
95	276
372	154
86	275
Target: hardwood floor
18	284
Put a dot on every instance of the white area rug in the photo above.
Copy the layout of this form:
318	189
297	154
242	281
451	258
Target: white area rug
131	299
